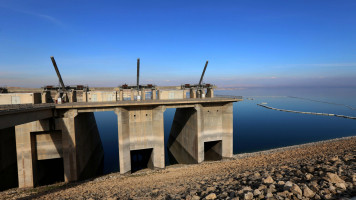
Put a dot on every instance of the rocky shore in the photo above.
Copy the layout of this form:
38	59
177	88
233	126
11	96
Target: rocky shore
323	170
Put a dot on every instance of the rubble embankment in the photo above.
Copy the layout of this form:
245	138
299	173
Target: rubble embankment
322	170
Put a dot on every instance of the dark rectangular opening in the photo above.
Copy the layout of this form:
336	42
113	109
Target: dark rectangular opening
50	171
213	150
141	159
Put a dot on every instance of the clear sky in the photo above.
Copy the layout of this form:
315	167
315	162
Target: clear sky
248	43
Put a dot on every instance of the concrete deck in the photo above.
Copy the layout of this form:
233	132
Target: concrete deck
176	103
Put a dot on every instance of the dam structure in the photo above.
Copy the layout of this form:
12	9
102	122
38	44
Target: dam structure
54	131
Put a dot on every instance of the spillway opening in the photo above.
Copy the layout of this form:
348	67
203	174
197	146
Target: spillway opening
213	150
50	171
141	159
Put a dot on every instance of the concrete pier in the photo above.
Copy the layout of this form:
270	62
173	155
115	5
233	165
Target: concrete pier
202	132
140	128
73	138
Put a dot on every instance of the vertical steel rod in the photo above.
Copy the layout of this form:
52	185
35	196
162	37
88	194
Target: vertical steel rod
138	73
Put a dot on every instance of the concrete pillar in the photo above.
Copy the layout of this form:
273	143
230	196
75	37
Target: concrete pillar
46	97
184	94
192	93
132	95
143	94
26	154
72	96
121	95
202	93
198	93
140	128
85	96
159	94
210	93
154	93
193	128
67	125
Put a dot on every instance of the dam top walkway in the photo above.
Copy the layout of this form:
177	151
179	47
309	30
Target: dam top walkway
12	115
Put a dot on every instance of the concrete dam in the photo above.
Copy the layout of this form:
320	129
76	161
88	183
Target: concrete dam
51	135
38	135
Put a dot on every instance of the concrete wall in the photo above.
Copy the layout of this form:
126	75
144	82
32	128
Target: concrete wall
171	94
140	128
8	165
101	96
194	126
73	137
20	98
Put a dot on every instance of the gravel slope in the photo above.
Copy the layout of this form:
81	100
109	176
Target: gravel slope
323	170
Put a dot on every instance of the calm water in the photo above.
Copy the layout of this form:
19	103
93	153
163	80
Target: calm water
257	128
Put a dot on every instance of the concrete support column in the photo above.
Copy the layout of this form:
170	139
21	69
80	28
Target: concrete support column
72	96
67	125
210	93
202	131
132	96
85	96
46	97
140	128
26	152
198	93
121	95
202	93
154	94
184	94
192	93
143	94
159	94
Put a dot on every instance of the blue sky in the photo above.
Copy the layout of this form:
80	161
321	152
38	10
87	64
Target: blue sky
248	43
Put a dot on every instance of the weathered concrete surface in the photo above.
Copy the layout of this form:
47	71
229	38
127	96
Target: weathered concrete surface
73	137
90	153
8	165
20	98
140	128
170	94
192	127
101	96
26	151
10	118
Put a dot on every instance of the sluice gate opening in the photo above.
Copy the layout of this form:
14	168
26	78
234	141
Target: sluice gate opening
212	150
141	159
50	171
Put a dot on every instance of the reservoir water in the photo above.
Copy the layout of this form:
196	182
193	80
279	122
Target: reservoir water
257	128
